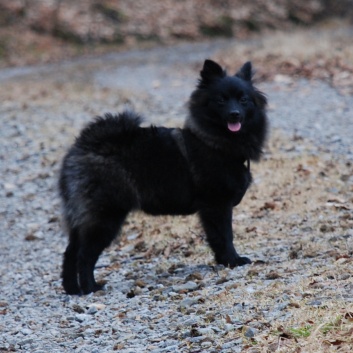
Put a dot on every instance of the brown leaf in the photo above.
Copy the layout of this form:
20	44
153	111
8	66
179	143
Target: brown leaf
326	228
336	200
310	253
293	254
302	170
339	206
188	253
222	280
286	335
194	332
194	276
252	272
78	309
53	219
232	286
348	316
342	256
121	315
167	251
140	283
268	206
31	237
273	275
140	246
333	342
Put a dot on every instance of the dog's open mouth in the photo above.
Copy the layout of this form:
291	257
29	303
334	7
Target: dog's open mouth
234	127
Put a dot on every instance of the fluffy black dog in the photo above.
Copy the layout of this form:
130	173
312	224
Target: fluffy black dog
115	167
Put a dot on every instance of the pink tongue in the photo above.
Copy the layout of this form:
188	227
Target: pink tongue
234	127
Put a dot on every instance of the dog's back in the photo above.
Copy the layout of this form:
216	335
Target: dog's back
115	164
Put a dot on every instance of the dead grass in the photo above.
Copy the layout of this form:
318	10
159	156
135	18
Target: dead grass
321	52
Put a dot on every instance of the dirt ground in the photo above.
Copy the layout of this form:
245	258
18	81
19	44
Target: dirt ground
295	222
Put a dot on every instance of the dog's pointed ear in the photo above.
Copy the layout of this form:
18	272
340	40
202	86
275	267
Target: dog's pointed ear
245	72
211	70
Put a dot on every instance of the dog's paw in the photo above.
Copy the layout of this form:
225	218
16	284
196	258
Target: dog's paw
234	261
91	289
241	261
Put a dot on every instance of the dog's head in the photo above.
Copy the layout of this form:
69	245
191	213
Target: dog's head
229	103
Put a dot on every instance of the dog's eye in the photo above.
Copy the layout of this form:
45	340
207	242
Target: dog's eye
243	100
221	100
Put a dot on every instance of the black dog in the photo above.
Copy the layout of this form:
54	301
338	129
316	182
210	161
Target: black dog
115	167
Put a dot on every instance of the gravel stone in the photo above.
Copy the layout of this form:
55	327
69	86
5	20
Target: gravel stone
82	317
232	344
186	303
188	286
249	333
44	107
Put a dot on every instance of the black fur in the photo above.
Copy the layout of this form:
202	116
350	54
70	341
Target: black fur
115	166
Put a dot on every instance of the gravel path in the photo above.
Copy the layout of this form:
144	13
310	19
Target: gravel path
171	299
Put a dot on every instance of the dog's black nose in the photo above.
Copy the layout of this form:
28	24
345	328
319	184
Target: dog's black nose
235	114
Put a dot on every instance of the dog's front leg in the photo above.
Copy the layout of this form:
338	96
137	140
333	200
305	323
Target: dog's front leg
217	223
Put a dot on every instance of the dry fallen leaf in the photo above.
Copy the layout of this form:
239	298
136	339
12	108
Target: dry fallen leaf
273	275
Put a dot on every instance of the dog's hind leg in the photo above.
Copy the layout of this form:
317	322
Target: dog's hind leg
93	240
217	223
69	274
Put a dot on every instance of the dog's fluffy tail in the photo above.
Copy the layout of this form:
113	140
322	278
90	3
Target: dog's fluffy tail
106	129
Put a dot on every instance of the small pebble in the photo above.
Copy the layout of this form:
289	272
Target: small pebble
188	286
82	317
249	333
